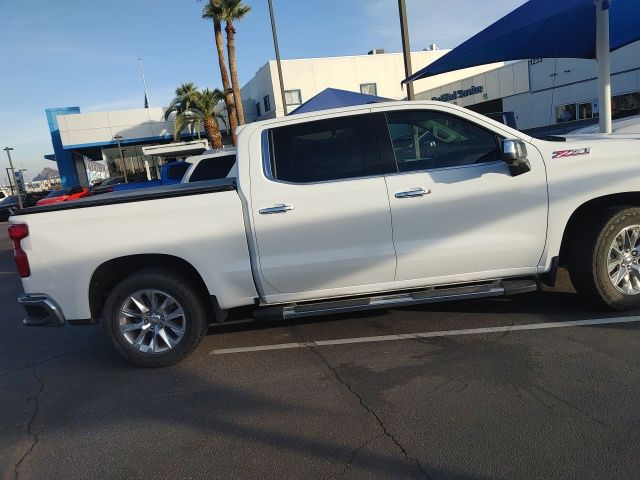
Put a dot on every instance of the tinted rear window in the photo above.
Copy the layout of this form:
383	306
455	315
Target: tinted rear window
333	149
177	170
213	168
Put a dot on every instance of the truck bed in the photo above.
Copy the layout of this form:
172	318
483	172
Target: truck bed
138	195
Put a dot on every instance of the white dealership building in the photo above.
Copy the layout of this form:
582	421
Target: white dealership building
549	95
377	73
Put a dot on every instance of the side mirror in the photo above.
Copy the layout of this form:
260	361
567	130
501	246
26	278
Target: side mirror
514	154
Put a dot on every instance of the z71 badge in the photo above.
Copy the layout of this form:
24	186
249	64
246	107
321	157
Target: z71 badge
571	153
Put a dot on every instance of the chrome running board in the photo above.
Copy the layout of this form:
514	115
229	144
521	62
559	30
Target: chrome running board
391	300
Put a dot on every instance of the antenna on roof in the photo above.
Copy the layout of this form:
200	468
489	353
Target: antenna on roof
144	82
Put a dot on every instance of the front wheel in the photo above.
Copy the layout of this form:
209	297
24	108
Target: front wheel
155	318
604	258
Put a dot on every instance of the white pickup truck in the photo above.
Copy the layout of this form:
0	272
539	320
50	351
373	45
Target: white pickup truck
365	207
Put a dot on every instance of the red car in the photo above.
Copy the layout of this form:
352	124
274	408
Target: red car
64	195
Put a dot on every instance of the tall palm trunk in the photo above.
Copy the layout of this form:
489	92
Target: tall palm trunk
213	132
226	84
233	68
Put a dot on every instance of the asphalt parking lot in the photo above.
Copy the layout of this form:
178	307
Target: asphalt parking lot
527	403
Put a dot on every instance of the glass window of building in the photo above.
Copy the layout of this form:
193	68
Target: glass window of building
369	88
293	97
267	103
566	113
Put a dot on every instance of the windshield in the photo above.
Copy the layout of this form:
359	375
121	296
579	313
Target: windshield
58	193
9	200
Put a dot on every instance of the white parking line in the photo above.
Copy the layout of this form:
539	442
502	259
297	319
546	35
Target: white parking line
413	336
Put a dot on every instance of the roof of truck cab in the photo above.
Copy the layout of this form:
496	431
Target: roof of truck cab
378	107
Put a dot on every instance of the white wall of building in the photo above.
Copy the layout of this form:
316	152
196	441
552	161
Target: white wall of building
496	83
100	127
533	89
313	75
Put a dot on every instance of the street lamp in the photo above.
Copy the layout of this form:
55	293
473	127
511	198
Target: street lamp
406	47
117	138
13	174
9	179
275	45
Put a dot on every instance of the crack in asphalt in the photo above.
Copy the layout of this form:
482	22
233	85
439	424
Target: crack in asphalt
385	430
354	455
48	359
30	433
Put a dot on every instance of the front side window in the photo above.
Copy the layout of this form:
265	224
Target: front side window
424	140
325	150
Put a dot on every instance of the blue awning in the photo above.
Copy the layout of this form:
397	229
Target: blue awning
336	98
542	29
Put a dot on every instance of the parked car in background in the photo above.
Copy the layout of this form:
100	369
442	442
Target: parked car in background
170	174
64	195
211	165
10	203
106	185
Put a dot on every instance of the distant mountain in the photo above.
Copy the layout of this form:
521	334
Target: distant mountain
47	174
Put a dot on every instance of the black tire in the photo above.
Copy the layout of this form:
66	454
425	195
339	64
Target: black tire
589	252
194	320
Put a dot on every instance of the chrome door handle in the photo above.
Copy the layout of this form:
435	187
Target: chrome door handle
414	192
276	209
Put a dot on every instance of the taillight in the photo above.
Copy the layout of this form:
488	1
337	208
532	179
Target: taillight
17	233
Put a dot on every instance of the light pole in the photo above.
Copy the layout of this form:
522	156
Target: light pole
13	174
275	45
406	47
9	179
117	138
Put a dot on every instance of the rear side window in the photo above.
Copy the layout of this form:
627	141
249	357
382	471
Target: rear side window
212	168
325	150
176	171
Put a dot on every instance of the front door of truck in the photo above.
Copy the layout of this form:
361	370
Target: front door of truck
458	214
320	209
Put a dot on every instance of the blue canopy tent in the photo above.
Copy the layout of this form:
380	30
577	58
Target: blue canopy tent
551	29
336	98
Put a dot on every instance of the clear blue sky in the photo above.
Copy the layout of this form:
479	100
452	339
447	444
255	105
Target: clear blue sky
76	52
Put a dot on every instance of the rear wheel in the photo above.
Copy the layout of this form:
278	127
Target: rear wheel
604	258
155	318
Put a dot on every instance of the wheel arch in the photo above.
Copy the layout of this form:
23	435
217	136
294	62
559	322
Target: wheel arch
111	272
589	208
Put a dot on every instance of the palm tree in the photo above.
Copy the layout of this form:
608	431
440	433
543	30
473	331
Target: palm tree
233	10
184	99
181	105
213	10
205	110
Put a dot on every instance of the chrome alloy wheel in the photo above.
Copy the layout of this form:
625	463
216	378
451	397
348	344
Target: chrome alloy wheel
152	321
623	262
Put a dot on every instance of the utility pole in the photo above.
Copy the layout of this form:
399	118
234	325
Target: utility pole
117	138
275	44
9	179
406	47
13	174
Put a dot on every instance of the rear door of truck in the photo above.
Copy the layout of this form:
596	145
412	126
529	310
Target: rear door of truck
320	207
